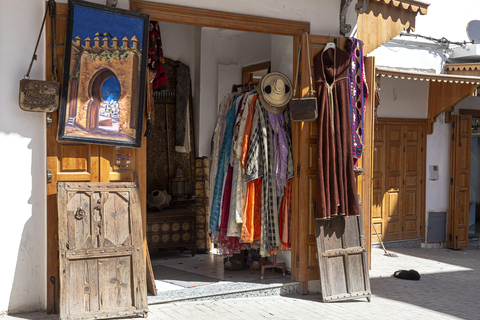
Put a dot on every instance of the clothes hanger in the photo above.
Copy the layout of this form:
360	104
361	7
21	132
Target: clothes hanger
330	45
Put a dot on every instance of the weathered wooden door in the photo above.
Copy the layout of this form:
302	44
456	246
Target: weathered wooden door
460	145
398	179
102	268
343	259
80	162
305	265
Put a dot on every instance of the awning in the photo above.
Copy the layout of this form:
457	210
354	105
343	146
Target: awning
412	5
444	90
466	69
447	78
391	17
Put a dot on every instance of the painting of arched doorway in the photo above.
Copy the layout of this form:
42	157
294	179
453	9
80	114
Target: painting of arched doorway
103	110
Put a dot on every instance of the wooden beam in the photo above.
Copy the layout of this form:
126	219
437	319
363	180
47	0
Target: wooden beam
218	19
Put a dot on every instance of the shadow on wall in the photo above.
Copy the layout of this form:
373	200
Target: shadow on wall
29	280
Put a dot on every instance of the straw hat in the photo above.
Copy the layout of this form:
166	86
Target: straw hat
275	91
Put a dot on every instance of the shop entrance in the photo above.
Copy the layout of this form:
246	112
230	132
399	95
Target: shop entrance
184	261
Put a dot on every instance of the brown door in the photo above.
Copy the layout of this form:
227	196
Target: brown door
459	181
305	265
101	250
80	162
398	179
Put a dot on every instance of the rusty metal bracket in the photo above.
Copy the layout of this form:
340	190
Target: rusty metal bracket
359	9
344	27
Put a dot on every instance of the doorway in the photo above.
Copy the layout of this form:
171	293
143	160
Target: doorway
179	270
474	208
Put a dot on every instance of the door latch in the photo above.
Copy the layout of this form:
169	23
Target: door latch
49	120
49	176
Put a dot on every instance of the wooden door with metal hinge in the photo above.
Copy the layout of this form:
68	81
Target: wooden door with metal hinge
81	163
102	269
305	264
460	148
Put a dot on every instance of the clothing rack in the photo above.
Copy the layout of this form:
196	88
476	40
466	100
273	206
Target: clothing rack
245	86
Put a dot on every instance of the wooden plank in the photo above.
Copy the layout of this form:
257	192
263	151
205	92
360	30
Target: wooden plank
366	190
99	253
217	19
151	287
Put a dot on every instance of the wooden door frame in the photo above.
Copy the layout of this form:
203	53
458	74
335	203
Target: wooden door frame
247	23
423	123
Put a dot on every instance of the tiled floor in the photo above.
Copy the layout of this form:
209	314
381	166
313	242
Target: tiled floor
179	276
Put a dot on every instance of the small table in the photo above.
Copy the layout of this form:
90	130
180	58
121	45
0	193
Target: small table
173	227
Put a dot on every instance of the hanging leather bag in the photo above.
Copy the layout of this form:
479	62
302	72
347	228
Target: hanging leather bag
304	109
41	95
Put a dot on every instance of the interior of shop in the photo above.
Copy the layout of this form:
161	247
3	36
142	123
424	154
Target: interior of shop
185	262
474	212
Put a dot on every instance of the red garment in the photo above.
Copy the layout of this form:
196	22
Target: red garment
284	220
227	246
156	62
336	190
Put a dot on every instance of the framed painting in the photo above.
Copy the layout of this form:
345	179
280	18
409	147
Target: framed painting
104	75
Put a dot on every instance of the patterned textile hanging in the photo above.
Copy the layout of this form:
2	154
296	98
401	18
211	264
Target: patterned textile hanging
156	62
357	84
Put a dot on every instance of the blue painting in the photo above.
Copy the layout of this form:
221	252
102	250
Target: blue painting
104	75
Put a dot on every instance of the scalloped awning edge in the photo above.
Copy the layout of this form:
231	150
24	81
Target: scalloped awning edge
413	5
426	76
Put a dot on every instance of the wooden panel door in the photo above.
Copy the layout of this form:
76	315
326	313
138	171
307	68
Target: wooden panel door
305	136
459	181
414	166
101	251
79	162
398	179
394	175
379	181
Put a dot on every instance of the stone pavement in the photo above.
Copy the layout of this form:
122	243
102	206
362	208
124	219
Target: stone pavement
449	288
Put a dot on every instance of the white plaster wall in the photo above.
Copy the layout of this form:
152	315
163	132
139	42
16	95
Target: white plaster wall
421	57
438	153
403	98
23	160
223	47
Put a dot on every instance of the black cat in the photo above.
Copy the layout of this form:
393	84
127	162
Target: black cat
407	274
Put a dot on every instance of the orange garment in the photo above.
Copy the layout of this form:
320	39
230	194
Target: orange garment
252	222
285	220
248	130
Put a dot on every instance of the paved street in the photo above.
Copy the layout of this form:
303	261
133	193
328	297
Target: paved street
449	288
